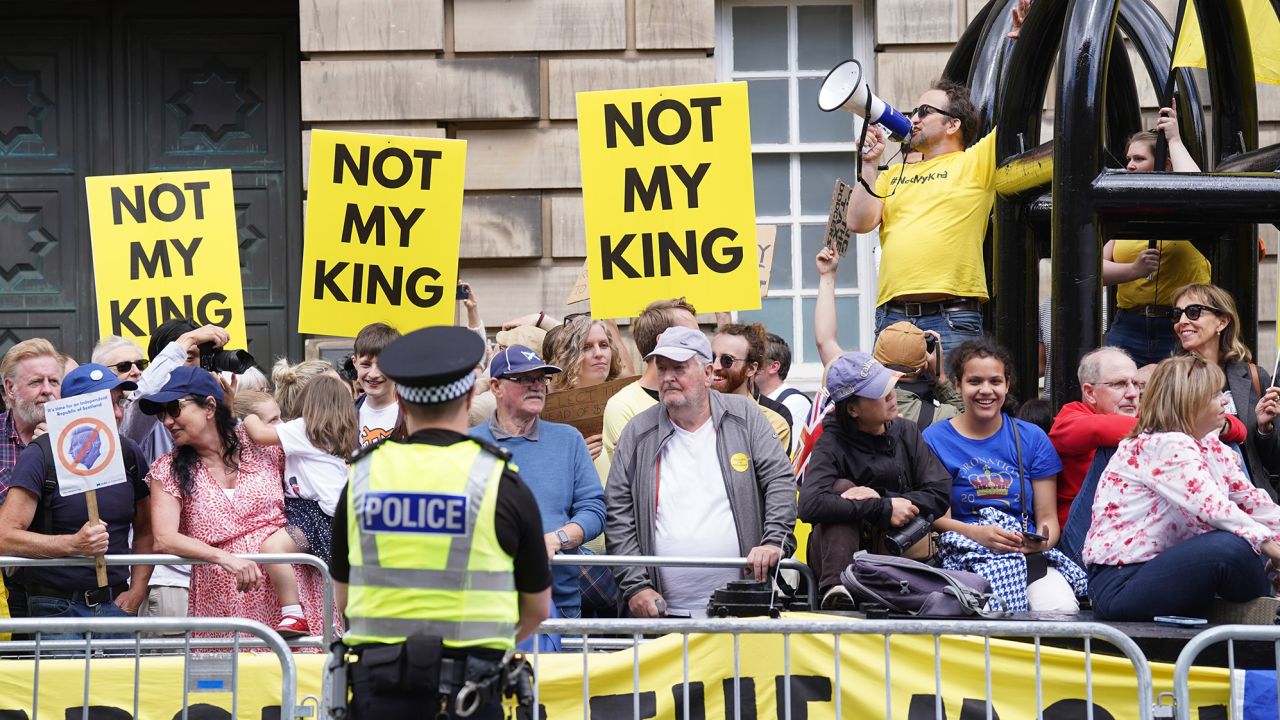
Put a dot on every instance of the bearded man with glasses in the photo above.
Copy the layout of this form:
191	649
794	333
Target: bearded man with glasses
737	352
553	460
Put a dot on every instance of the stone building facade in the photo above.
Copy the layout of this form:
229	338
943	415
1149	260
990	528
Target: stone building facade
500	74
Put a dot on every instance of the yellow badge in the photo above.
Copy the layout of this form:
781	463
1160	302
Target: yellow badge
740	461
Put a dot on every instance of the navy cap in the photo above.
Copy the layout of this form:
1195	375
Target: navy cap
92	377
858	373
433	365
183	381
517	359
680	343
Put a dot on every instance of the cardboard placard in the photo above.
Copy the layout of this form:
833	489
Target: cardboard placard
668	198
581	291
837	234
766	239
583	408
384	220
165	246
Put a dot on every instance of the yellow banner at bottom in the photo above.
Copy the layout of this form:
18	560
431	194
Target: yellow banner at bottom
609	686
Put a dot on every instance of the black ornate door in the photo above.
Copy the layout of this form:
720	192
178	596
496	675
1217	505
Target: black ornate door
130	87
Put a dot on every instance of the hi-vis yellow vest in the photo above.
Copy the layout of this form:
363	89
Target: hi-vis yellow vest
423	549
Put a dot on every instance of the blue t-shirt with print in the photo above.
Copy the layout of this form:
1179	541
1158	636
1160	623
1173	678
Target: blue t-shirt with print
984	473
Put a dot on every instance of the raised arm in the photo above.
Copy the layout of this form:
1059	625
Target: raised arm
825	326
865	211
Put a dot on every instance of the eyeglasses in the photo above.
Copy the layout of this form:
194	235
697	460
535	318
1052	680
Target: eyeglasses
925	110
1122	385
174	408
1193	311
529	380
726	361
123	366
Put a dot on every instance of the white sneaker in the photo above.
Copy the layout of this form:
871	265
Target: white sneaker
838	598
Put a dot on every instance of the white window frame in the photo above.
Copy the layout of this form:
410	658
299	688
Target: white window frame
807	374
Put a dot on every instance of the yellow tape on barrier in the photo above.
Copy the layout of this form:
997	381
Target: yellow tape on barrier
760	689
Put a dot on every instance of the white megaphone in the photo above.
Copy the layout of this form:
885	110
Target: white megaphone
844	89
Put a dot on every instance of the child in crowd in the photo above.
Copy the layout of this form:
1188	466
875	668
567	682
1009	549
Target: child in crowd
256	402
315	447
379	411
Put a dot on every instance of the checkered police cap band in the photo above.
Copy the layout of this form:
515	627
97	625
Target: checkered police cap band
438	393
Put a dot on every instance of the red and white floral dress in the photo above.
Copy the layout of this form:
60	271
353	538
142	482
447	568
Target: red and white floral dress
238	525
1160	489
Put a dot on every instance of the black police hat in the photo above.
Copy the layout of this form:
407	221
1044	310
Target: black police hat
433	365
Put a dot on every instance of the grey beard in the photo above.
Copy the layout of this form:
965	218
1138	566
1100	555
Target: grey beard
28	413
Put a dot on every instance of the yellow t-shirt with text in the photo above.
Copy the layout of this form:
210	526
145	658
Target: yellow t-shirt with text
1181	264
934	223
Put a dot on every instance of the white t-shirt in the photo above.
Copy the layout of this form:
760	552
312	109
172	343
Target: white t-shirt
377	424
693	518
799	404
309	472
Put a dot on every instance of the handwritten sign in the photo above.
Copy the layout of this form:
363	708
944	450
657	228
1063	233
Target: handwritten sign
766	239
583	408
165	247
384	220
837	235
668	197
581	291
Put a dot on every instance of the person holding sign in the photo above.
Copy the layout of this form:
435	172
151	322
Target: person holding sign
39	521
584	348
218	495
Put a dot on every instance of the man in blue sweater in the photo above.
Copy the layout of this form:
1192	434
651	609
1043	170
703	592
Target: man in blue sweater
553	461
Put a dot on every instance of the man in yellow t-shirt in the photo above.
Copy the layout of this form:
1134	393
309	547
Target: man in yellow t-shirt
932	216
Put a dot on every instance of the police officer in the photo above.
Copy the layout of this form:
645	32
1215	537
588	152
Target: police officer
438	550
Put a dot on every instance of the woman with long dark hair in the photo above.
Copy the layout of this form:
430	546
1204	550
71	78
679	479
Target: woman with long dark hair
218	495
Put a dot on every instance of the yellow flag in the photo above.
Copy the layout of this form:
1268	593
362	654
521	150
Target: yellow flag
1264	39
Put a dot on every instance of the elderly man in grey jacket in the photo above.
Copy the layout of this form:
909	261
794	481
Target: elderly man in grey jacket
699	474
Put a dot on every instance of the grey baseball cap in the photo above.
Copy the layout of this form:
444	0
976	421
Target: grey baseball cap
681	343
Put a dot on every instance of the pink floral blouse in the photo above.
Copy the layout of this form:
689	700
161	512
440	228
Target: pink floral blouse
1163	488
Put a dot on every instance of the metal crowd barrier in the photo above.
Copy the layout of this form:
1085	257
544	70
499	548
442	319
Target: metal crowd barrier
848	626
327	631
1223	633
806	572
289	708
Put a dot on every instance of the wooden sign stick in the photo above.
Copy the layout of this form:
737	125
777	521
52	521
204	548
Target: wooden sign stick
99	561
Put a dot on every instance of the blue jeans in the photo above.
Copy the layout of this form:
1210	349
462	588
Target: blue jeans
1147	340
1182	580
953	327
54	607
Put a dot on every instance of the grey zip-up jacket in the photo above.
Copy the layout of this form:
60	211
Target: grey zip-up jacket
762	494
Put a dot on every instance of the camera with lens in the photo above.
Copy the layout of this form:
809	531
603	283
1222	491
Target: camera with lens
904	538
217	360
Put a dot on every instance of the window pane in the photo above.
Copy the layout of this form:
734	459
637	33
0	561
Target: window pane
772	174
815	125
780	278
769	103
760	38
811	237
818	173
826	36
775	314
846	317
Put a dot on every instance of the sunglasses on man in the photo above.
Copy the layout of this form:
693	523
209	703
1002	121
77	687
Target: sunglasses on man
1193	311
925	110
726	361
123	366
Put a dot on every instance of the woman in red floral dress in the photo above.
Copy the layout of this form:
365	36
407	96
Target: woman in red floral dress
217	495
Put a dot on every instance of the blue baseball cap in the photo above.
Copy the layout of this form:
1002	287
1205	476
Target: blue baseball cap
92	377
183	381
517	359
857	373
